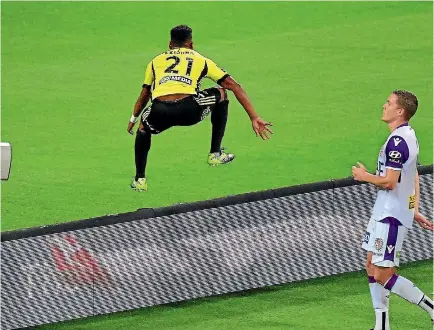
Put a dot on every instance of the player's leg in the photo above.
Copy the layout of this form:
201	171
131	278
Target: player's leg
154	120
379	295
219	118
215	100
404	288
141	150
387	261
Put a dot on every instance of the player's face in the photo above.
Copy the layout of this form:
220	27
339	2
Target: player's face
391	109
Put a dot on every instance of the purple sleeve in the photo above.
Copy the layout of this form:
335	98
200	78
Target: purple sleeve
396	152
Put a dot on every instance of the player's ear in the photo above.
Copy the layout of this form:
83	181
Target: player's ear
170	45
401	112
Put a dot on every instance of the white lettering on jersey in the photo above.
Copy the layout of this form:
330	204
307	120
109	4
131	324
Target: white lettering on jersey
396	141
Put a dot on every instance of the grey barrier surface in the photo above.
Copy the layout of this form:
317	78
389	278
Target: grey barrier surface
157	256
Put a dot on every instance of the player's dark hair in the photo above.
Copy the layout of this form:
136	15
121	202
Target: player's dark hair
408	101
180	34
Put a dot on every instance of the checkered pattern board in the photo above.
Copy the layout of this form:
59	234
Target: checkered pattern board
86	272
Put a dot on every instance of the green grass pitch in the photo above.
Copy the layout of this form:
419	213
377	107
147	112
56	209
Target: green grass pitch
71	72
340	303
320	71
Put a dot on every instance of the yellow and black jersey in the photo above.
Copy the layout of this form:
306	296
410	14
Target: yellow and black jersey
180	71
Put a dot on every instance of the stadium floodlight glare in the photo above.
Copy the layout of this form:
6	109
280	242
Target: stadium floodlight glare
6	160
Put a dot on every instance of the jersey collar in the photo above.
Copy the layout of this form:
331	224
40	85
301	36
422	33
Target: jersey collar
402	125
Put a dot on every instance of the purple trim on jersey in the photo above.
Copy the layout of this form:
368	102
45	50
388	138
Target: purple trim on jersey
396	152
389	253
402	125
371	279
391	282
392	221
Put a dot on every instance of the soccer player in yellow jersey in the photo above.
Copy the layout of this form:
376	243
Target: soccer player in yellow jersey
172	82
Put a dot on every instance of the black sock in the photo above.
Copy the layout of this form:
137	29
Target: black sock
141	149
219	117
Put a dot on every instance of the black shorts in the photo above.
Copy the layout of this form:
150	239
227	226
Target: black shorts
161	115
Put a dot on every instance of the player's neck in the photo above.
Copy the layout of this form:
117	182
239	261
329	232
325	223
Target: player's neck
172	47
395	124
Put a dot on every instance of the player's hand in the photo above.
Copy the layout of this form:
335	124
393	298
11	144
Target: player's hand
423	222
130	128
261	128
359	172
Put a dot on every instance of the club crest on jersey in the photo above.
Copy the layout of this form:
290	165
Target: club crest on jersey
378	244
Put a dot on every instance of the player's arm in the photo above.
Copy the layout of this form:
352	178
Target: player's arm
397	153
260	126
143	99
241	95
418	217
387	182
227	82
141	102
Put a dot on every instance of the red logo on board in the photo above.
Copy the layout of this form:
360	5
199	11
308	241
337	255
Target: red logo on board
75	264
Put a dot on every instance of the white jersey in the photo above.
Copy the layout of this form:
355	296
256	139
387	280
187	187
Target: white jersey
400	153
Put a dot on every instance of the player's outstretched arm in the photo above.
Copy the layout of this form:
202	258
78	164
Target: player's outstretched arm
260	126
387	182
141	102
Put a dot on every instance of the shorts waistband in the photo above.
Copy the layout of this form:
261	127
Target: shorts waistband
172	101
